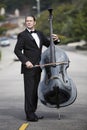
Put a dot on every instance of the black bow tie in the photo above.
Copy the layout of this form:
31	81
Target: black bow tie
33	31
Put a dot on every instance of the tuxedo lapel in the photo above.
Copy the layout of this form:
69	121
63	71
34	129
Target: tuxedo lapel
29	36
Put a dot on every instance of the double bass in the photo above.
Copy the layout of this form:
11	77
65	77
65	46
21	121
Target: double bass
56	88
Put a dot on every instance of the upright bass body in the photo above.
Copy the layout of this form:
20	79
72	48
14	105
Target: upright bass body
56	88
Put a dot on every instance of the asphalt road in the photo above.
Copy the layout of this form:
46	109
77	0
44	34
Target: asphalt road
12	116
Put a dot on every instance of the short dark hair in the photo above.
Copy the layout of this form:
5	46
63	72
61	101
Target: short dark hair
31	16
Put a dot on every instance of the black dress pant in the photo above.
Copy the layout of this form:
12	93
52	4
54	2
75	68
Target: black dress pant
31	82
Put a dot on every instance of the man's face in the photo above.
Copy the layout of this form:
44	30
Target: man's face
30	23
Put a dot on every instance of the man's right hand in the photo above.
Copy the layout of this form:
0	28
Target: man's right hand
29	64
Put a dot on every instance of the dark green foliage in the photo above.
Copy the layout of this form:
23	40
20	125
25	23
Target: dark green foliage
2	18
2	30
11	5
69	20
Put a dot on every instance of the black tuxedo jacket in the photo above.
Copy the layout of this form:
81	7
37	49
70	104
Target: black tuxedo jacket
26	48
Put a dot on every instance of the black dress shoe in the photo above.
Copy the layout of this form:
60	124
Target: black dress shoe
32	117
39	117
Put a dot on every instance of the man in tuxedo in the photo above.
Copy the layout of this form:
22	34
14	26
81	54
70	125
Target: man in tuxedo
28	49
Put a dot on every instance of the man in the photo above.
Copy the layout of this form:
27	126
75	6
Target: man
28	50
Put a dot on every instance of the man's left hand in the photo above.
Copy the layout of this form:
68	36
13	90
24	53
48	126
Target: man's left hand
55	37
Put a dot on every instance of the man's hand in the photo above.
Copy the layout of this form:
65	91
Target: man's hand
55	37
29	64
